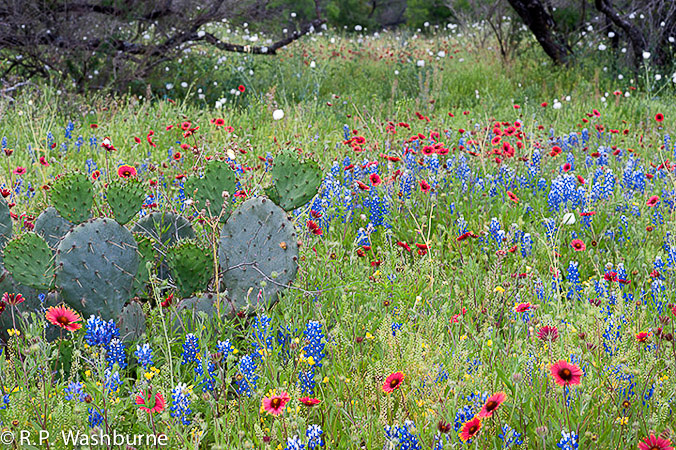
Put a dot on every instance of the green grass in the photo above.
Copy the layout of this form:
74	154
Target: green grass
489	348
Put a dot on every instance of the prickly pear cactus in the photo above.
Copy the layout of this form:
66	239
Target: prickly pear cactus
258	251
295	182
125	199
132	322
73	195
165	228
218	177
51	226
5	223
184	317
96	263
146	253
29	259
190	266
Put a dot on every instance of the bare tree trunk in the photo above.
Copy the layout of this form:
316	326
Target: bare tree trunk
635	35
542	25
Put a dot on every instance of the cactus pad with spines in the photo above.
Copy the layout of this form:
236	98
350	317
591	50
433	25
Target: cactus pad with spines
96	264
52	227
132	322
190	266
183	321
258	251
29	259
125	198
218	177
146	253
73	195
295	182
5	223
165	228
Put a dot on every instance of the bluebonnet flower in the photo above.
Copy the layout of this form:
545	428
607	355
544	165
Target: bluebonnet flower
5	401
224	348
116	354
294	443
315	343
207	379
144	354
568	441
190	347
95	418
509	437
180	403
314	437
247	377
75	390
99	332
112	380
403	437
262	334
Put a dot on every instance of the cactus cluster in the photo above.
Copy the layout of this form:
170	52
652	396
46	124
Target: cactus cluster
96	265
295	182
207	191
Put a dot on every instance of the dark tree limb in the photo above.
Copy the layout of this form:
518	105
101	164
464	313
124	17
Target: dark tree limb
540	22
635	35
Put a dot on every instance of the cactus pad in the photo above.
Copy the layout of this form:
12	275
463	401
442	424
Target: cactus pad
258	251
295	182
5	223
96	265
190	266
52	227
132	322
73	195
146	253
165	228
125	199
29	259
218	177
186	321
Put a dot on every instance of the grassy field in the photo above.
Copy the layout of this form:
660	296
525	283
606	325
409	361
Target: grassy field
483	227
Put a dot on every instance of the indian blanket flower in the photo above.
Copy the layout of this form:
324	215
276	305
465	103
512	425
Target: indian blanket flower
565	373
492	404
310	401
375	179
470	429
659	117
393	381
524	307
655	443
151	404
20	170
126	171
12	299
652	201
578	245
274	404
512	197
548	333
64	317
642	336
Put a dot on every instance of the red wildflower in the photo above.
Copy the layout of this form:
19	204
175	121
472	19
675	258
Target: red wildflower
149	138
642	336
470	429
375	179
241	88
126	171
565	373
492	404
424	186
652	201
314	228
659	117
275	404
12	299
524	307
655	443
20	170
158	403
404	245
64	317
548	333
512	197
310	401
577	245
43	161
393	381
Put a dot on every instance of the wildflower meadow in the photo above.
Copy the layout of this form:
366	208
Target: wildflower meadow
384	240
